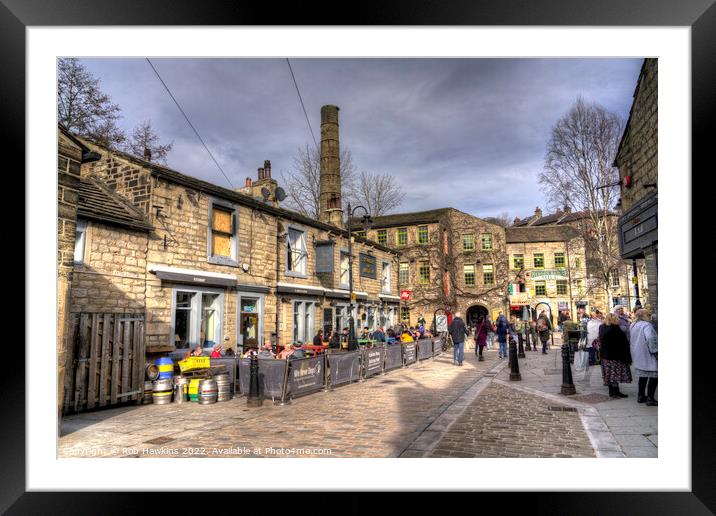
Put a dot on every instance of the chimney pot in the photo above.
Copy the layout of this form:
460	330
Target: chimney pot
248	182
267	169
261	173
147	154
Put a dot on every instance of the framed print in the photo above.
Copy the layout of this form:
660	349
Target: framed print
206	156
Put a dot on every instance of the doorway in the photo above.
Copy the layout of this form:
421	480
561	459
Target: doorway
474	313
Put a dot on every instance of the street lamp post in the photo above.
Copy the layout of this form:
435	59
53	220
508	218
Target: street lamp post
366	222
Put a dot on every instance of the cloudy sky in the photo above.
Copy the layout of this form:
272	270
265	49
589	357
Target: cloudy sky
467	133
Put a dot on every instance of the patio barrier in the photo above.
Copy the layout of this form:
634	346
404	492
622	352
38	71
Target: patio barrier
272	374
305	375
393	356
410	353
373	359
425	348
437	347
344	367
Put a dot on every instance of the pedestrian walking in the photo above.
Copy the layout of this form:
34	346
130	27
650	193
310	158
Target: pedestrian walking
502	329
458	332
616	356
490	333
544	329
593	335
644	352
480	337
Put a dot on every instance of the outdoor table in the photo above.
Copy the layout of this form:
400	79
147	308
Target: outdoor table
315	349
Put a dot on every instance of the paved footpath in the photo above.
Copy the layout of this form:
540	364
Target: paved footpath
431	409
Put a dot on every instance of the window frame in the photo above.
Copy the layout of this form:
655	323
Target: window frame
465	275
534	260
81	226
543	284
426	265
491	273
482	242
562	283
260	312
427	235
563	260
233	260
196	311
465	249
344	253
514	262
302	319
304	237
406	310
397	237
386	280
407	271
382	236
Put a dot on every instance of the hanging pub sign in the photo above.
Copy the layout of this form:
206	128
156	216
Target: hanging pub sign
324	256
368	266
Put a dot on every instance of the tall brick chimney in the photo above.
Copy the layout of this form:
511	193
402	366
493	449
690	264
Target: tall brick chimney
330	204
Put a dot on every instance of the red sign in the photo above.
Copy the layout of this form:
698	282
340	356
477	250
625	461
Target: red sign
405	295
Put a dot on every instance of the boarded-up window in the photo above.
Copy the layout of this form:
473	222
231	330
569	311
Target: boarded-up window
222	231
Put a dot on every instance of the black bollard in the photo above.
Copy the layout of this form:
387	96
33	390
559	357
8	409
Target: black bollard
520	348
514	365
254	399
567	383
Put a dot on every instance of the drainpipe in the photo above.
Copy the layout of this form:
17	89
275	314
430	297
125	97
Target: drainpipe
278	269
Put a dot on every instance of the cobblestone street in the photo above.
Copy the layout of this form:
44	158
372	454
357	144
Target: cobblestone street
430	409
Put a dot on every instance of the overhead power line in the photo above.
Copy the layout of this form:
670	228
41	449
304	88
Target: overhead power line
301	100
189	122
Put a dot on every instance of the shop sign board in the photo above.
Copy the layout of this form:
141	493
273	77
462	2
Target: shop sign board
441	324
373	361
306	375
368	266
410	354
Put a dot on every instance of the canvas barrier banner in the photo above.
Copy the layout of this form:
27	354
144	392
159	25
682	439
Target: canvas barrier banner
425	348
344	367
373	361
229	364
437	346
271	377
410	352
306	375
393	356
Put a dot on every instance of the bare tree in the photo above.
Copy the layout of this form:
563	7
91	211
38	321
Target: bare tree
503	219
579	174
303	180
83	108
379	193
143	139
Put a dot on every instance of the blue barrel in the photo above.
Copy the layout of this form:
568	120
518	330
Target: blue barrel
166	368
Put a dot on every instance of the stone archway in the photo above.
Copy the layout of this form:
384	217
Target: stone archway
473	312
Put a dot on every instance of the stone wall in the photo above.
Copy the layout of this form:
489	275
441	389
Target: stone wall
638	155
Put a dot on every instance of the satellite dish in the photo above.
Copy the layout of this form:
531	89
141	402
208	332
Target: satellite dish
280	194
265	193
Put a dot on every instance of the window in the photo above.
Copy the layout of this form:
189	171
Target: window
343	277
223	248
539	261
383	236
577	263
401	236
580	287
303	321
615	279
197	318
488	274
250	320
404	273
487	242
518	261
405	314
360	233
422	234
561	287
559	259
540	288
80	232
468	242
469	273
385	284
297	256
423	272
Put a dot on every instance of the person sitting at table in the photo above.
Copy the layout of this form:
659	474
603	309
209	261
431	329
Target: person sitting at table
365	334
216	352
406	337
249	352
318	339
334	342
378	335
266	351
286	352
298	351
196	352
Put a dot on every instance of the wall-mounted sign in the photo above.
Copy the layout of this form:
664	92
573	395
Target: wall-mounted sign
405	295
368	266
324	256
549	274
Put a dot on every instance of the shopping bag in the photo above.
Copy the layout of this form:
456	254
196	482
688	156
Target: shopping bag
581	360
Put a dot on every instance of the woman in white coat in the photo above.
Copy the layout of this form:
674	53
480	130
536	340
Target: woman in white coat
644	349
593	335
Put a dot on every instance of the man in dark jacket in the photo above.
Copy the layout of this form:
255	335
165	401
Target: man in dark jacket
503	328
458	332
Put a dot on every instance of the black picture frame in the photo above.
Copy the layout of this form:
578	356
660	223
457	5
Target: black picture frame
700	15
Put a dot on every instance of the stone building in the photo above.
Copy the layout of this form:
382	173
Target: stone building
208	265
71	154
600	291
637	160
549	266
449	260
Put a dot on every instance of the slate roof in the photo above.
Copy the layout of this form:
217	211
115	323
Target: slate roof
98	202
556	218
408	219
520	235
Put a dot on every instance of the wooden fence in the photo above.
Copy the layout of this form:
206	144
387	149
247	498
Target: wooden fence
106	362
